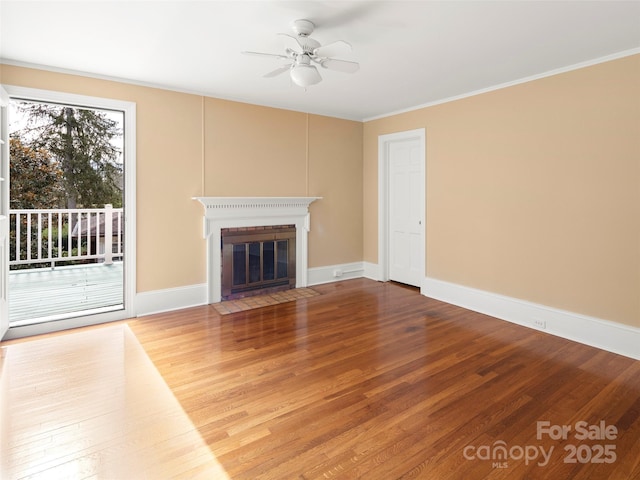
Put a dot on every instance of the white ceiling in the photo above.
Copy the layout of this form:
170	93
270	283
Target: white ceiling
411	53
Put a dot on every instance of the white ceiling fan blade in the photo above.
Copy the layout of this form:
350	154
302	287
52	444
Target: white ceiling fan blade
340	65
260	54
334	49
292	43
277	71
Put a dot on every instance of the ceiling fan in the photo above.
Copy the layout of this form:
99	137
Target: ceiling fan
303	53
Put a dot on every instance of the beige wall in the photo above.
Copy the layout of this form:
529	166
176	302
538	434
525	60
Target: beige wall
187	145
259	151
533	191
332	174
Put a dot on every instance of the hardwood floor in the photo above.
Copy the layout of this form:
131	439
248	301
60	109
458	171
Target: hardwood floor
91	405
372	380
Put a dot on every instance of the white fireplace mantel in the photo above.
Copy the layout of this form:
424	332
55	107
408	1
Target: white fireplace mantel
230	212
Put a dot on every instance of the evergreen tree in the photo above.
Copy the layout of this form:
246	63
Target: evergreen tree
81	142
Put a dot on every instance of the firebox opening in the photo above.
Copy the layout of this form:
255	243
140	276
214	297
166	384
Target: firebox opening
257	260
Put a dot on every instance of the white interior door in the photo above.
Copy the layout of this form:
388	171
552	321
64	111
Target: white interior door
4	210
405	162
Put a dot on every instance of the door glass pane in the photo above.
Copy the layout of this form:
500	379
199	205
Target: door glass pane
268	260
239	264
254	262
283	255
66	224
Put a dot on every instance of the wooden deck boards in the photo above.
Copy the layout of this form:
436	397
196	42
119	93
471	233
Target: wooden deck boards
44	293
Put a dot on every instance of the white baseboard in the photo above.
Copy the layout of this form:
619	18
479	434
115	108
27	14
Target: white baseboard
372	271
606	335
159	301
334	273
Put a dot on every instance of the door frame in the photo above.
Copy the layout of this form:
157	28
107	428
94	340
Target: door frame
4	211
129	287
384	142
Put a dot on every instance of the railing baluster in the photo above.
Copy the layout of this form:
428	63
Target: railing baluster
17	237
60	248
49	235
88	233
69	229
28	232
39	236
97	233
108	234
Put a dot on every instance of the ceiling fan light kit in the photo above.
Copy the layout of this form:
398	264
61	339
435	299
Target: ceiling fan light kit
303	51
305	75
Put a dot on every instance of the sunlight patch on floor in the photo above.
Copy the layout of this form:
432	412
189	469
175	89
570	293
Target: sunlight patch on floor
92	405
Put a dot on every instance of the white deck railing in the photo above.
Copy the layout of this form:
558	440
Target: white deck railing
62	235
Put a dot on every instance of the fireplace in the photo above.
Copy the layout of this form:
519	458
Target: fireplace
242	212
258	260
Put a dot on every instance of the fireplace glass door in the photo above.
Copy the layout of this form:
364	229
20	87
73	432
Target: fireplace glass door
257	259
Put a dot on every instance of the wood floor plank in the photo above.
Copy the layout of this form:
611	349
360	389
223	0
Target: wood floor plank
372	380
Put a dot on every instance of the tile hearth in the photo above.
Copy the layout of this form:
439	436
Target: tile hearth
248	303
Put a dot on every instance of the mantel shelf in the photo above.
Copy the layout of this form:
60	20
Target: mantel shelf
255	202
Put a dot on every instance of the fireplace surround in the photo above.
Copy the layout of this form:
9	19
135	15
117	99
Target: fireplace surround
238	212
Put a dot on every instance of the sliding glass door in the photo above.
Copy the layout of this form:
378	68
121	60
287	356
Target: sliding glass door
71	206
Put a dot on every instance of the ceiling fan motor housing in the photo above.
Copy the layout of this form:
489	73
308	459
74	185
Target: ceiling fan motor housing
303	27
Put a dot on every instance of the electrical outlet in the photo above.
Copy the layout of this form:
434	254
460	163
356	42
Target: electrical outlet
541	324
